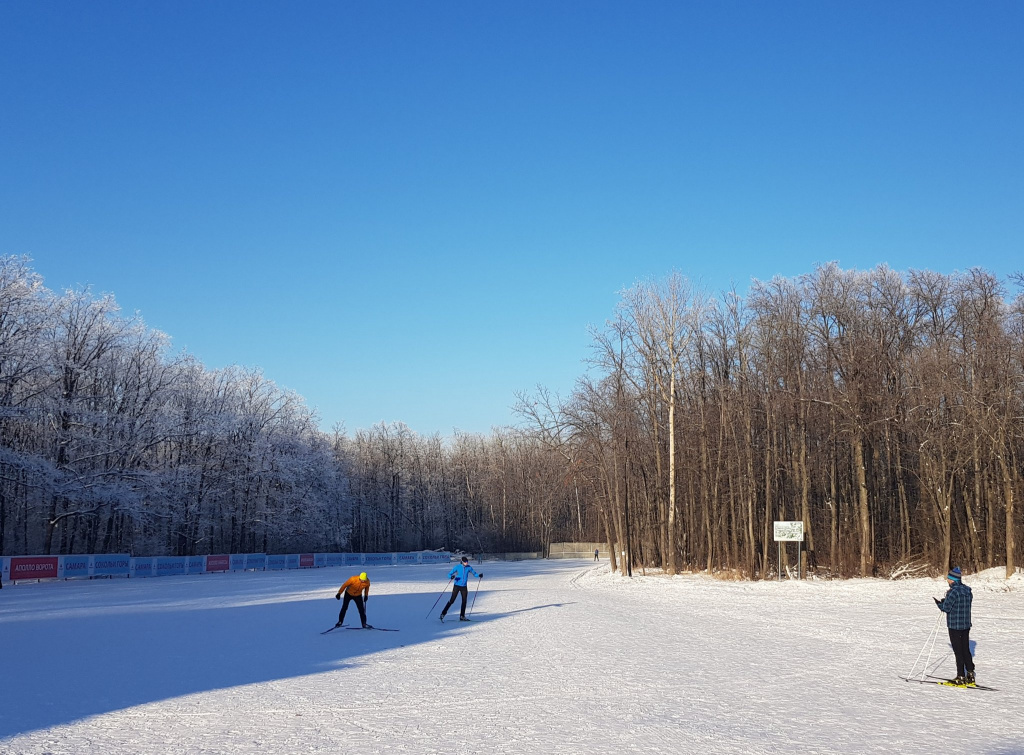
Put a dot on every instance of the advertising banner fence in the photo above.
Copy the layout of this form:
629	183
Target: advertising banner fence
24	568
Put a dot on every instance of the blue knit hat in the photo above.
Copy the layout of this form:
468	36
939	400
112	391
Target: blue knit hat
954	574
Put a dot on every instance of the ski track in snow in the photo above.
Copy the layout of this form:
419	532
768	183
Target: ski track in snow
562	656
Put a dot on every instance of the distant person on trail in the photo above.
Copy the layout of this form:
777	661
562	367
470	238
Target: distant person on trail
355	589
460	573
597	554
957	607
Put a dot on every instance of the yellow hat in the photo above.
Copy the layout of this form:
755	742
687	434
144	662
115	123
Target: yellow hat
364	577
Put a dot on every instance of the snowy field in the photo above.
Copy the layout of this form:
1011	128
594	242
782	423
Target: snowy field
562	657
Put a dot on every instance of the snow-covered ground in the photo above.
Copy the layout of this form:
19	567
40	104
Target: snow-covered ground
562	657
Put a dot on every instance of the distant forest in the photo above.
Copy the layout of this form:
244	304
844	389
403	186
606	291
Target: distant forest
883	409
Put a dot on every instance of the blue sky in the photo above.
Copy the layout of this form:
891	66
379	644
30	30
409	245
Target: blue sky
408	211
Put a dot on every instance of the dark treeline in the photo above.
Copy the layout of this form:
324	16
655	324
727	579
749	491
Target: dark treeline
882	409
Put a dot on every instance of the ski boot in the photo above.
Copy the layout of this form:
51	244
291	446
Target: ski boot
960	681
969	676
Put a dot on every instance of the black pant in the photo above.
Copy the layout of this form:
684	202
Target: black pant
456	591
960	639
359	604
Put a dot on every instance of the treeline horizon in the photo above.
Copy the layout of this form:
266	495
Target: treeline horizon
882	409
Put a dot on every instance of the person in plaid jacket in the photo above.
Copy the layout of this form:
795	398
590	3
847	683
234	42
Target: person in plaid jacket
957	607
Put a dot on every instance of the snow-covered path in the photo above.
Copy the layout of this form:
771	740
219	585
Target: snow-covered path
561	657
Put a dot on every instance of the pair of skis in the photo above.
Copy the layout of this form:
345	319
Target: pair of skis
948	683
379	629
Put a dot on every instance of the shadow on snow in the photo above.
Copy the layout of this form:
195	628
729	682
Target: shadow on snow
78	650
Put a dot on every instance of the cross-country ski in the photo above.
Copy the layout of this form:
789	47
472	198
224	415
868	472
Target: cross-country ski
950	683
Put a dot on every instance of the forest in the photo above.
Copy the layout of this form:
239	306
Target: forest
883	409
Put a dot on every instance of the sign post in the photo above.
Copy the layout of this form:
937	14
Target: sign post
790	531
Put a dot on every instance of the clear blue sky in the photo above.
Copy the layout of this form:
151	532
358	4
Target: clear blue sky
408	211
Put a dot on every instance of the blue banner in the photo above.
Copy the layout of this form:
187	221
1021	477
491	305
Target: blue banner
379	559
113	565
408	558
433	557
352	559
237	562
256	561
142	567
75	566
196	564
277	562
169	565
334	559
292	561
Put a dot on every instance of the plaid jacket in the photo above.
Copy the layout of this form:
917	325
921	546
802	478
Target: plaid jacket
957	606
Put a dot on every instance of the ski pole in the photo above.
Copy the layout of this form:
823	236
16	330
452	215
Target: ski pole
929	643
438	598
926	671
474	594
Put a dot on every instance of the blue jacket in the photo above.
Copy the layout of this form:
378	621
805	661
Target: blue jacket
461	574
957	606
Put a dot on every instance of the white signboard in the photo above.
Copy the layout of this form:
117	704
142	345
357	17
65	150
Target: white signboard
789	531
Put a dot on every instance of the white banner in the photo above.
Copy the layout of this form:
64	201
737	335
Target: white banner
788	531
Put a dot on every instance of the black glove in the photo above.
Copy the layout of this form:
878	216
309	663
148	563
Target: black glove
939	602
480	575
366	600
338	596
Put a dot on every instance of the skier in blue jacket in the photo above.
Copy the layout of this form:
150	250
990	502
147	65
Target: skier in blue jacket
957	607
460	573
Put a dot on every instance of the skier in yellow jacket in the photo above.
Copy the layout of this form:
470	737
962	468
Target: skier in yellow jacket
355	589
